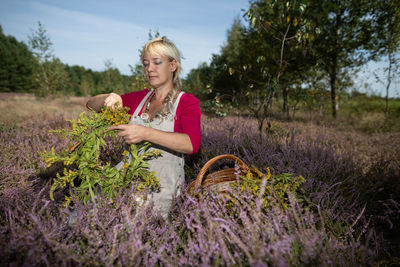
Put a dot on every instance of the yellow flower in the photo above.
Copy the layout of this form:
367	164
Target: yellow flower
67	201
126	165
125	153
268	173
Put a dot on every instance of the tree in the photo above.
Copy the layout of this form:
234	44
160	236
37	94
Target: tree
138	80
49	72
387	19
76	74
212	83
345	36
16	63
111	79
199	81
391	71
57	77
87	85
224	85
272	47
286	29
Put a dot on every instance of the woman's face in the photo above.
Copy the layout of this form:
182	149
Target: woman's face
158	69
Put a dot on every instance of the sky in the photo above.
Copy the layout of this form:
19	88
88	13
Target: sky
90	32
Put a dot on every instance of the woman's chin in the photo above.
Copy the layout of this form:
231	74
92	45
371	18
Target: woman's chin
153	83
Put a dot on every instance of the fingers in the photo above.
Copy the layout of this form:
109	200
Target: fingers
113	99
131	133
117	127
113	127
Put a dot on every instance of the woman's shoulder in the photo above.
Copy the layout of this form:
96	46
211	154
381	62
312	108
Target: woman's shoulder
188	98
188	103
136	93
133	99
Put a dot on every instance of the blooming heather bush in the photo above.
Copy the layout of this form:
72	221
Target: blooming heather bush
19	150
334	226
314	160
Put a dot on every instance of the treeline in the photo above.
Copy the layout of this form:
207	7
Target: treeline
299	53
296	53
33	68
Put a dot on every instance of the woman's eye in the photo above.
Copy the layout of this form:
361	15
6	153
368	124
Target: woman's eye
158	62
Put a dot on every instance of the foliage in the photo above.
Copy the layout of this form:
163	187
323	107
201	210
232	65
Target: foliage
53	77
36	69
111	80
287	30
83	165
138	80
345	36
41	44
229	86
215	107
387	18
49	74
265	59
198	82
268	189
288	43
15	65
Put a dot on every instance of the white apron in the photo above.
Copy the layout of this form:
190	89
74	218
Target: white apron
169	166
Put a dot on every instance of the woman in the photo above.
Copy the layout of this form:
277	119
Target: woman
166	117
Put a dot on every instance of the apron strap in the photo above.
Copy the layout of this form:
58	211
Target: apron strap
139	108
177	102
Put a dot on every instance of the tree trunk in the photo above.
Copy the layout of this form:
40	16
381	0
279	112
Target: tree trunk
334	66
260	126
387	100
389	80
285	107
334	96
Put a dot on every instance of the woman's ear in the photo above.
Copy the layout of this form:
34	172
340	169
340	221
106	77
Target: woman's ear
173	65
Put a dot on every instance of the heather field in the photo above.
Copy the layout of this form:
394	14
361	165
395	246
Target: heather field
347	215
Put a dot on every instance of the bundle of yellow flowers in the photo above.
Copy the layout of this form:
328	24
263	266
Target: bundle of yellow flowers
82	159
269	187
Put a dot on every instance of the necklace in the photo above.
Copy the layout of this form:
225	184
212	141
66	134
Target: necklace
148	103
145	114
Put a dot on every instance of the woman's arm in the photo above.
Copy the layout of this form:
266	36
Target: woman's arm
133	133
185	139
189	120
98	101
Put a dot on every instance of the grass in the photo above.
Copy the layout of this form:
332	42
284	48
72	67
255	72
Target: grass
19	108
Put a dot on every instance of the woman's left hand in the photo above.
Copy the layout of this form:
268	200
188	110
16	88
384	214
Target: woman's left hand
131	133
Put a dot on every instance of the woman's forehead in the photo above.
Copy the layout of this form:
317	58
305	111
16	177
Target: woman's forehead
153	56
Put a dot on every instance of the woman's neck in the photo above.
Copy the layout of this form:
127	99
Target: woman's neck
162	92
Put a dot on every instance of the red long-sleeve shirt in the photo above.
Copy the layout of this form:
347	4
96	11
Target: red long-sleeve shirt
187	119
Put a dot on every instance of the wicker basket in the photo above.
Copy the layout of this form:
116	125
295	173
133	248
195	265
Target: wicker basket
220	180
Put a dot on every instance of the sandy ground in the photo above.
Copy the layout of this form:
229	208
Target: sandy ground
17	108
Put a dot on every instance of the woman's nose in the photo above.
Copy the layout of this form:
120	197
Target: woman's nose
150	67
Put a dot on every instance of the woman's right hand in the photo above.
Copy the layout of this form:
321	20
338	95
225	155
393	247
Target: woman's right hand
113	99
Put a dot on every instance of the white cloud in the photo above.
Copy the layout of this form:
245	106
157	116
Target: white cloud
89	37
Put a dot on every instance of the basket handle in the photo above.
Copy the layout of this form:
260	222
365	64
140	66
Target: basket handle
199	178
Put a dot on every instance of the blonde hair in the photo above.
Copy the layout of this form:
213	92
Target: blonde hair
164	47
